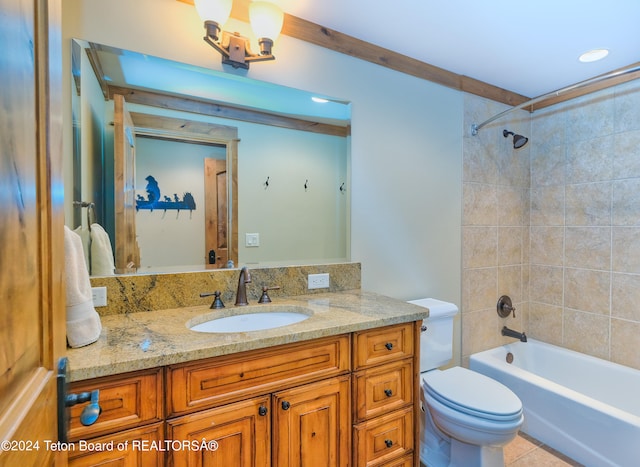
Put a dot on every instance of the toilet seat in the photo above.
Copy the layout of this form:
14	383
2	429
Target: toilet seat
474	394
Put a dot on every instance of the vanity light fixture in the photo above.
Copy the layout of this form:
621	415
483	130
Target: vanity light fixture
266	21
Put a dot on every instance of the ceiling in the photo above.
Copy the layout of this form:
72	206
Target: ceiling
527	47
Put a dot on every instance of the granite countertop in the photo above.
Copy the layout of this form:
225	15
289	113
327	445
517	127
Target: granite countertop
137	341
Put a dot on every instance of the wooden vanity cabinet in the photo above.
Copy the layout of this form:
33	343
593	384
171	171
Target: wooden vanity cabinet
347	400
385	389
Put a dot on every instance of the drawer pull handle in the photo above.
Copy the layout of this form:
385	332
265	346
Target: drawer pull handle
389	345
388	392
285	405
388	442
262	411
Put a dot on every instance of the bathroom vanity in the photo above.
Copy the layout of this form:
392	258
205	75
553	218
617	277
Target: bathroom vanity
339	388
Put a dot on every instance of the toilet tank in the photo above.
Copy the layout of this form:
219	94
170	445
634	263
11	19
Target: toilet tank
436	343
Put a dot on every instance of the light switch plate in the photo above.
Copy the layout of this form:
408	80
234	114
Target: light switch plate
252	239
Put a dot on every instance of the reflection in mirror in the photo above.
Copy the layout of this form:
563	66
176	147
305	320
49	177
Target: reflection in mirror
264	167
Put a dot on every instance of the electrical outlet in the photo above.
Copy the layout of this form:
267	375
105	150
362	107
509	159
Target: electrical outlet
99	295
318	281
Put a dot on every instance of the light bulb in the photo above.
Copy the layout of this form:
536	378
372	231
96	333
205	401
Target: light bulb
214	10
266	19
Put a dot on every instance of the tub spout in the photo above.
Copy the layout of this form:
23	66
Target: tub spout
511	333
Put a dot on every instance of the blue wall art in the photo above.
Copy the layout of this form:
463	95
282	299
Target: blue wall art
154	200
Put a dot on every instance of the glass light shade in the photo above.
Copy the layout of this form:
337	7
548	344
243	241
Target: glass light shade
214	10
266	19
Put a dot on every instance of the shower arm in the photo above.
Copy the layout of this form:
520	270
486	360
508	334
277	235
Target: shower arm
475	128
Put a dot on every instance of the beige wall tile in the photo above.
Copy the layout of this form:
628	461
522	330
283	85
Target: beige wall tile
480	289
510	241
545	322
626	249
590	160
546	284
547	164
480	204
547	205
547	246
480	331
626	202
625	297
624	343
588	204
586	332
588	247
626	154
479	247
587	290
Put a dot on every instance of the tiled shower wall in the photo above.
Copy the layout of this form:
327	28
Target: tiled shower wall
579	262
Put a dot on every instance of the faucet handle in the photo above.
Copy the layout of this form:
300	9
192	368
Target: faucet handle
505	307
217	302
265	296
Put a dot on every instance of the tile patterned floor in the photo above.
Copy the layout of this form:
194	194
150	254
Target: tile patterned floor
525	451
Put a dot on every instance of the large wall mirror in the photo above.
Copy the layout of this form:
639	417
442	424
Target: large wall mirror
188	169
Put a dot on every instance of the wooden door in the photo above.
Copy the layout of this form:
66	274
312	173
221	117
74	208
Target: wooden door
215	205
32	314
127	254
312	425
240	434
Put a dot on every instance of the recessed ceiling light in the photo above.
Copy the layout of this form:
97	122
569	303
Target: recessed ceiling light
593	55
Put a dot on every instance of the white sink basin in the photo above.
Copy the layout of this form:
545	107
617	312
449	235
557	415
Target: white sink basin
269	318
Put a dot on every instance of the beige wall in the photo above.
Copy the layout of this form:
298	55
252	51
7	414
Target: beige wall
579	264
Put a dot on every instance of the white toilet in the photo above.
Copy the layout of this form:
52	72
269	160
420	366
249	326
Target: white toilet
468	417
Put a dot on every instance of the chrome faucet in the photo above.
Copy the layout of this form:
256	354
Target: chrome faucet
243	280
511	333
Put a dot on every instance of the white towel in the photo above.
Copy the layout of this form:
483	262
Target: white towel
102	263
83	322
85	235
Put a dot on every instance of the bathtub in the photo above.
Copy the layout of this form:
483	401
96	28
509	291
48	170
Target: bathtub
582	406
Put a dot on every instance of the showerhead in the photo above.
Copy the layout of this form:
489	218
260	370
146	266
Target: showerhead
518	140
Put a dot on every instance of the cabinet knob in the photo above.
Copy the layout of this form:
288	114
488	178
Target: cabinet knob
388	442
285	405
388	392
389	345
262	411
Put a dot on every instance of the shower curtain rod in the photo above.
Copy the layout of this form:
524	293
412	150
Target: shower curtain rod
476	127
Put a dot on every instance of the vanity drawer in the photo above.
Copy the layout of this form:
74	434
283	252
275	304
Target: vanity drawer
382	345
384	439
382	389
127	401
207	383
139	447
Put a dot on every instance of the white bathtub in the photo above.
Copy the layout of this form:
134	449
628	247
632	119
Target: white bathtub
585	407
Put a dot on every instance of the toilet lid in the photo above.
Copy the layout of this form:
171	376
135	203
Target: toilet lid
473	393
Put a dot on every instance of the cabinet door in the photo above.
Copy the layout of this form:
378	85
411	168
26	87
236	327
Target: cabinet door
140	447
241	431
312	425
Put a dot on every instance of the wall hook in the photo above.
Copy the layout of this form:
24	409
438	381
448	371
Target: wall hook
306	185
266	183
343	189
